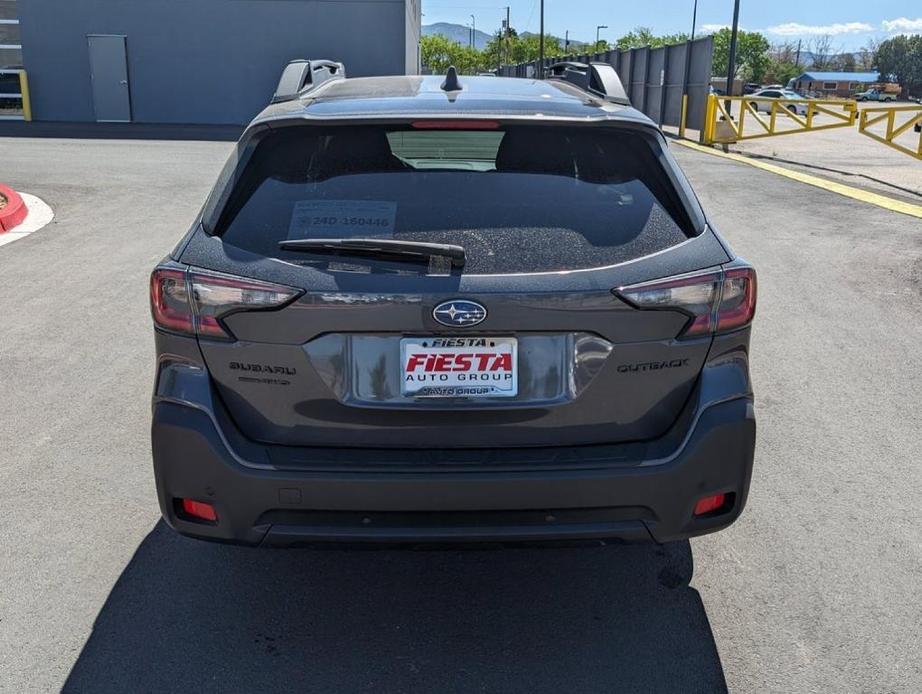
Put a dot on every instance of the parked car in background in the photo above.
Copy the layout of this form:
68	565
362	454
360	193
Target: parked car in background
770	94
750	88
875	95
408	317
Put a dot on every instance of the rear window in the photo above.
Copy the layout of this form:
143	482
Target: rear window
518	199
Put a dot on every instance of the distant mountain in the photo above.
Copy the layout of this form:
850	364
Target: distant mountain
457	33
809	60
462	34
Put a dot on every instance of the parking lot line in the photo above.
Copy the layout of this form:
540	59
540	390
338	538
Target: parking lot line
848	191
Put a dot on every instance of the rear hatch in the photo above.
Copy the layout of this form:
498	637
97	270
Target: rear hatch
529	343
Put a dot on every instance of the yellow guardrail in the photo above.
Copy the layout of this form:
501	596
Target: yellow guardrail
22	96
757	117
891	115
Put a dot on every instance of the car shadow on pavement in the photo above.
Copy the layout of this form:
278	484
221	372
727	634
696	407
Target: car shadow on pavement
193	616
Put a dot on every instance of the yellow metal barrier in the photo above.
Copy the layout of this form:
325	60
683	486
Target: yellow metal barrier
771	117
875	115
14	76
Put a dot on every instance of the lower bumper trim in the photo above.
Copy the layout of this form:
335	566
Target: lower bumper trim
282	507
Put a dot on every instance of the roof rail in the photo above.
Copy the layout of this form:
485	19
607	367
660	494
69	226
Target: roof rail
300	76
598	78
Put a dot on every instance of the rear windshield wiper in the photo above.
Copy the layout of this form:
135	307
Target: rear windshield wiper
412	251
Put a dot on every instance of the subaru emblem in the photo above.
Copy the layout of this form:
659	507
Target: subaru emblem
459	313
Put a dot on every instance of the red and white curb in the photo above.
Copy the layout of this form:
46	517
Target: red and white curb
23	214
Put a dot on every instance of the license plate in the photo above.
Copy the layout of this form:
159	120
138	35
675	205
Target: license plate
459	367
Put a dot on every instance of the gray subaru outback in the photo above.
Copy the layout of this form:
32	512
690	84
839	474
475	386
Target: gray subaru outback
440	309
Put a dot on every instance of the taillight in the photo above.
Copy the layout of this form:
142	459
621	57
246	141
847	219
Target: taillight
715	301
169	300
215	296
737	299
195	302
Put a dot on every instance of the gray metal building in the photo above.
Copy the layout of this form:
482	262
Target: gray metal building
197	61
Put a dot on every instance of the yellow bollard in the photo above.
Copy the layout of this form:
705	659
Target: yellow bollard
684	114
24	91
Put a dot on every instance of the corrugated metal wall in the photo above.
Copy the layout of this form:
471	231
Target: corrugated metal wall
654	78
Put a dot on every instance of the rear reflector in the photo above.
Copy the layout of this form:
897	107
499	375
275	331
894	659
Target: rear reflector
199	509
194	301
715	301
709	504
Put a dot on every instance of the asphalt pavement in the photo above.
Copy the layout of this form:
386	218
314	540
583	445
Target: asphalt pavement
815	589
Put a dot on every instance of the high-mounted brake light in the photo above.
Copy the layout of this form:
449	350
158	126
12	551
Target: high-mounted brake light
455	124
715	301
195	302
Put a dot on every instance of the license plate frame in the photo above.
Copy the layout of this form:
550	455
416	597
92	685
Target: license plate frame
487	368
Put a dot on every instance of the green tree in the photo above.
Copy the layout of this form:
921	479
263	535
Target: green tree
599	46
780	71
643	36
519	49
439	52
900	59
867	56
752	58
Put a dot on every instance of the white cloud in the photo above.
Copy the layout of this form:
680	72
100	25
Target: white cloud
903	25
712	28
797	29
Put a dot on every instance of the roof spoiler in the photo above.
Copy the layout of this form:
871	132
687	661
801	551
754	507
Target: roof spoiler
598	78
301	76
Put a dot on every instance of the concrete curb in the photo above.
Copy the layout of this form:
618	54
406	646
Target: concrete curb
15	211
859	194
39	215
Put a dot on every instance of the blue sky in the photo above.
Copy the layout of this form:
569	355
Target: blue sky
850	22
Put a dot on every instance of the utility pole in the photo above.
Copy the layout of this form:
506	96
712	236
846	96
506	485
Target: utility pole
566	42
797	58
599	27
694	19
731	67
541	45
473	30
506	37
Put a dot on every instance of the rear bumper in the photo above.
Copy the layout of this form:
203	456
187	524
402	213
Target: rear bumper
632	500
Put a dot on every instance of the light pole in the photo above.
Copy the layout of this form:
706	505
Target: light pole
731	62
473	30
597	29
541	44
506	37
694	17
